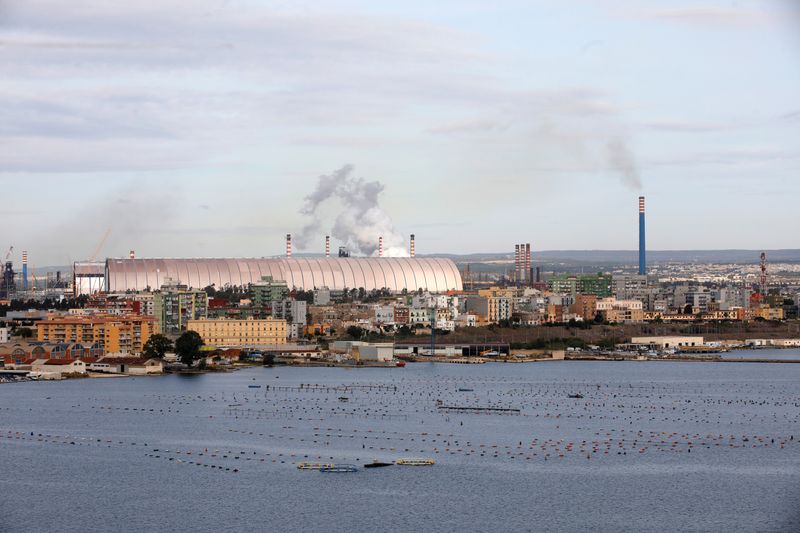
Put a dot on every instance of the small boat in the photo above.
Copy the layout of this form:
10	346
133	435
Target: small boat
254	386
341	468
377	464
400	364
313	466
344	399
578	396
464	389
415	462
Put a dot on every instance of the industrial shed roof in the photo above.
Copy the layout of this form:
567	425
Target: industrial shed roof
396	274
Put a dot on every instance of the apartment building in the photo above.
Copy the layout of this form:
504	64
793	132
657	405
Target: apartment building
247	332
117	334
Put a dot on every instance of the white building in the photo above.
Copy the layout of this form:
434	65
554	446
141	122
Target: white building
4	337
669	342
384	314
322	296
364	351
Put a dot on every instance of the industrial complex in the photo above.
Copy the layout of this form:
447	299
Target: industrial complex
297	305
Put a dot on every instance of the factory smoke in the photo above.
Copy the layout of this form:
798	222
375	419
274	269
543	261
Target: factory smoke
621	160
362	220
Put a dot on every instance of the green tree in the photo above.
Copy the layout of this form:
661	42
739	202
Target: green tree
355	332
187	347
157	345
25	333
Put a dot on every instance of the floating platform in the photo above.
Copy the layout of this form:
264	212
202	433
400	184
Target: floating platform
340	468
415	462
314	466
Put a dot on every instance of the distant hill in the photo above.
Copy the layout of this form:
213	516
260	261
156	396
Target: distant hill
623	257
587	257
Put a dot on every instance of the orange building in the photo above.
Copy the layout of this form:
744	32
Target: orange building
117	334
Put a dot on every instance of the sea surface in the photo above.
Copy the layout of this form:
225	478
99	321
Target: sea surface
651	446
777	354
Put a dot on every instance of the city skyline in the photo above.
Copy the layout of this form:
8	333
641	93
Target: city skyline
201	134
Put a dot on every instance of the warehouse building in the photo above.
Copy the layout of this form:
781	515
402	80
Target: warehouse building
336	273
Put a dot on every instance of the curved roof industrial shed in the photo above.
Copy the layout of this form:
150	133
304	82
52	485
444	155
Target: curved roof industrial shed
393	273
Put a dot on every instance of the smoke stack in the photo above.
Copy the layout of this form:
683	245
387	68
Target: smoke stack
411	250
527	261
24	270
288	245
327	245
380	246
132	254
642	249
516	262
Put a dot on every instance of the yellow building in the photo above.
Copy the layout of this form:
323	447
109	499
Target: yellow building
118	334
249	332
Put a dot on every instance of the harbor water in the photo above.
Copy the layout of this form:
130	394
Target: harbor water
640	446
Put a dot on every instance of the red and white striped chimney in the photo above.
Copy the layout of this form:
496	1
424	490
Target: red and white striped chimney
411	250
380	246
517	258
132	254
288	245
24	257
327	245
527	274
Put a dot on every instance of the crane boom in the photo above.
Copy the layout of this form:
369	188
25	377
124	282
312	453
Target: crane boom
100	245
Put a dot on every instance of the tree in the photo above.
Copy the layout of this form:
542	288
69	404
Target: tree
355	332
157	345
187	347
25	333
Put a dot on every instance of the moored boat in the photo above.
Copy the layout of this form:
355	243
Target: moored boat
377	464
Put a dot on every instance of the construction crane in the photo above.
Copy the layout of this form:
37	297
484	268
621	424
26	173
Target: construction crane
8	254
763	275
100	245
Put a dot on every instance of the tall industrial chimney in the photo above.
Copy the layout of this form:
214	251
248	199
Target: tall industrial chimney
411	250
288	245
642	248
527	262
327	245
24	270
380	246
132	254
516	262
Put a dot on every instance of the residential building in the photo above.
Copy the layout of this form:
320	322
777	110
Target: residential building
4	337
322	296
614	310
117	334
269	290
586	306
384	314
175	304
249	332
597	284
629	286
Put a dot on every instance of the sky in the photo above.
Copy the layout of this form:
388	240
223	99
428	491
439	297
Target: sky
199	128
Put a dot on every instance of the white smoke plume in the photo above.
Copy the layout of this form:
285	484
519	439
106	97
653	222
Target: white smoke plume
621	159
362	219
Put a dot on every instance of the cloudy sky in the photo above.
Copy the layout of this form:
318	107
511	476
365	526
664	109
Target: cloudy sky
196	128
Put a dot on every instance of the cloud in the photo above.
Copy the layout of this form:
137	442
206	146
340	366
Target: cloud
691	127
730	157
467	126
713	16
